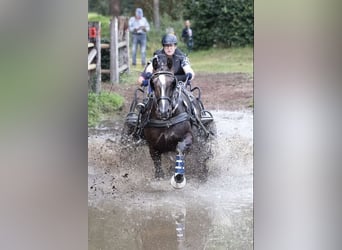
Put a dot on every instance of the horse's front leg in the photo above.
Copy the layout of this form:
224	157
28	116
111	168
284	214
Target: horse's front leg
156	157
185	144
178	179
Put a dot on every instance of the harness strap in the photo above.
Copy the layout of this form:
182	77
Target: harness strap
194	115
168	123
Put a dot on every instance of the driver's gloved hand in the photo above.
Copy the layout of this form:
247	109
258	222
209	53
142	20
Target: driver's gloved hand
147	77
145	82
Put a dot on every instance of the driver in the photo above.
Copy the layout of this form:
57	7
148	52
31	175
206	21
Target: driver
181	65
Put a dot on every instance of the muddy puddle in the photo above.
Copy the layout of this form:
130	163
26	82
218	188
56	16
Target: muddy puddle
128	209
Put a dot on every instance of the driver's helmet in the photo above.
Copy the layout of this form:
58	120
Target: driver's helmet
169	39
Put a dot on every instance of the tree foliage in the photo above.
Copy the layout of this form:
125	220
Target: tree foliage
214	22
99	6
221	22
169	7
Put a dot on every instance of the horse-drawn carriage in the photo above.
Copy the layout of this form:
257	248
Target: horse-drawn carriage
168	118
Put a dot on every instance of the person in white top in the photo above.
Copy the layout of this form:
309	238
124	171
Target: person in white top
187	35
139	26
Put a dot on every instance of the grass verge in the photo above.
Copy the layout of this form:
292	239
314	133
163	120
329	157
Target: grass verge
102	106
226	60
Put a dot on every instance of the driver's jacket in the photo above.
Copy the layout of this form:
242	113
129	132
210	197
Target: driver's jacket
180	61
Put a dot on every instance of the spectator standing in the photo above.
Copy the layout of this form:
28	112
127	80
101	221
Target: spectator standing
139	26
187	35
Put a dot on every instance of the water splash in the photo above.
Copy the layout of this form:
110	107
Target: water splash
217	210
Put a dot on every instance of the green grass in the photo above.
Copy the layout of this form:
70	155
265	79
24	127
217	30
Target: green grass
227	60
215	60
102	105
132	77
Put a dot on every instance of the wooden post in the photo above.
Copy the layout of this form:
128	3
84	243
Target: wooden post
98	61
114	51
94	40
128	50
119	48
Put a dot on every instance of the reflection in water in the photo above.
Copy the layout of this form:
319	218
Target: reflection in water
173	223
180	225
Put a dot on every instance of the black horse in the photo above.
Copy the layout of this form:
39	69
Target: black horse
168	119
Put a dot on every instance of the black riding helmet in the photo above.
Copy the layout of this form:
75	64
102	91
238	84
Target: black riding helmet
169	39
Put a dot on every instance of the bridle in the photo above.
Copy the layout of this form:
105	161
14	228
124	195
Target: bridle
163	96
173	117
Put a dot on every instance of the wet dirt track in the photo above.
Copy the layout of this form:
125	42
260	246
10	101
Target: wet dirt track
128	209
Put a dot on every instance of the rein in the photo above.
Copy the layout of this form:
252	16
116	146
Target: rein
162	72
179	97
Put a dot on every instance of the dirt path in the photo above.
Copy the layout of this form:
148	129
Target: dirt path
221	91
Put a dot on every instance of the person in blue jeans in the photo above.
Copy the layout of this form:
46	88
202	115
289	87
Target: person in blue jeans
138	26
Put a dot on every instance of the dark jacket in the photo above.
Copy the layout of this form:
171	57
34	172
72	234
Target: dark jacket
185	34
179	61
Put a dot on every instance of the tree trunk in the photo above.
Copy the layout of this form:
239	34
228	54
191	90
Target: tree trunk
156	14
114	8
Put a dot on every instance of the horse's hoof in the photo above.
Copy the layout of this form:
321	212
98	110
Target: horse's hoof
178	181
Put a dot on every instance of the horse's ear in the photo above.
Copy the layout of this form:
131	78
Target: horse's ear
155	63
169	63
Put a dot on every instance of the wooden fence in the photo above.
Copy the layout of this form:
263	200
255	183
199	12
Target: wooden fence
119	51
94	54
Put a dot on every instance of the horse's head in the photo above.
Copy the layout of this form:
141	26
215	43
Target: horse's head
163	83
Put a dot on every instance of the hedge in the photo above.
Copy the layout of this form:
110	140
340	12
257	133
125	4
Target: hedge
221	22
